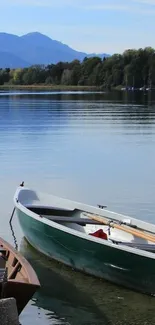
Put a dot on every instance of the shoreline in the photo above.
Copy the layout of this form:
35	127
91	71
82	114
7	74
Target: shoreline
43	87
51	87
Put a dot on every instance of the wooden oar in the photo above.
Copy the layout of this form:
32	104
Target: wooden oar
113	224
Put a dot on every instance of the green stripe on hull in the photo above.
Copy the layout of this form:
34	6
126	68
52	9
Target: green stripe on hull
118	266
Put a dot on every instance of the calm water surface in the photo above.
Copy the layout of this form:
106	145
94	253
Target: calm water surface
92	147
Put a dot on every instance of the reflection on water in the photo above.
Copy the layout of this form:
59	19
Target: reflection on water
74	298
92	147
97	148
60	296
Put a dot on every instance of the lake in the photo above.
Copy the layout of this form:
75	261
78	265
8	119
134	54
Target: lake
97	148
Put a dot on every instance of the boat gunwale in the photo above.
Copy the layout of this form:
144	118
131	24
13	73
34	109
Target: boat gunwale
77	233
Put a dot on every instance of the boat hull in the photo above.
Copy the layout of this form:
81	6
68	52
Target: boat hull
21	282
22	292
100	260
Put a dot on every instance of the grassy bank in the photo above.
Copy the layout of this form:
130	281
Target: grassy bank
49	87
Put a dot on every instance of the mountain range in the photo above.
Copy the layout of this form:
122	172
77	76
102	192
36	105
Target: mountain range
36	48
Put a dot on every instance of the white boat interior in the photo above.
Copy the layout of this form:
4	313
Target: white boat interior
77	216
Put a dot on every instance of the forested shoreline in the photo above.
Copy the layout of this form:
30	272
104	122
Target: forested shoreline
133	68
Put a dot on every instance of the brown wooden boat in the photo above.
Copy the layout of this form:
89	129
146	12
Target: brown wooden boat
17	277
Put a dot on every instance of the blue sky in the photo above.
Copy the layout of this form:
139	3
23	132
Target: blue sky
110	26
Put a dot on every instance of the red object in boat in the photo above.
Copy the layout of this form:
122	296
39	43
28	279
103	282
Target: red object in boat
100	234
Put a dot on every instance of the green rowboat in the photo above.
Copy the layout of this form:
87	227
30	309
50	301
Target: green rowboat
120	249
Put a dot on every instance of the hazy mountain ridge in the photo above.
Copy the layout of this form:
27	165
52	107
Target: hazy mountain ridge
9	60
36	48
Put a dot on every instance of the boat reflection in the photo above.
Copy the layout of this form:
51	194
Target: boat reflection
75	298
61	293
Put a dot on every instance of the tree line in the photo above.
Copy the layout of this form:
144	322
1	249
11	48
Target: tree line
133	68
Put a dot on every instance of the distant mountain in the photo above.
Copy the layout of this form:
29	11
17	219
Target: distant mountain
9	60
36	48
